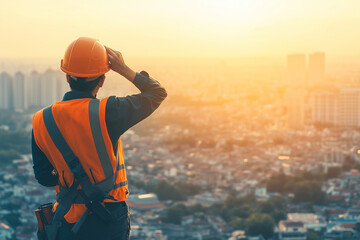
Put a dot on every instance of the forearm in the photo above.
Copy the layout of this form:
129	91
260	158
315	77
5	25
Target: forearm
128	73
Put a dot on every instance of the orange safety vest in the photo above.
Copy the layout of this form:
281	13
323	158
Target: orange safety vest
82	124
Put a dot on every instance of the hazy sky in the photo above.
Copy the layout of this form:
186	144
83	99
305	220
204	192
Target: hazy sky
44	28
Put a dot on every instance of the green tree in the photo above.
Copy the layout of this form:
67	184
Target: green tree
187	189
266	207
259	223
278	215
166	191
238	223
309	191
197	208
243	211
175	213
311	235
276	183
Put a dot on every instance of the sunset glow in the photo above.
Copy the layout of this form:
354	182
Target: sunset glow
182	28
239	119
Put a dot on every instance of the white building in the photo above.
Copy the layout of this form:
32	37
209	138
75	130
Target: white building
310	220
349	107
324	107
291	230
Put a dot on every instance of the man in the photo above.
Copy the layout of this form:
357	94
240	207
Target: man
76	144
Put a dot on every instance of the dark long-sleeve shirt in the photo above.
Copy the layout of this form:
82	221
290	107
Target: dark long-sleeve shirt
121	114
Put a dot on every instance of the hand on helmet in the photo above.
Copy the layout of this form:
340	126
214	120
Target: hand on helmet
117	64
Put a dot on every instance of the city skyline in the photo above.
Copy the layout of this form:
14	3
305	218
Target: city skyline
258	137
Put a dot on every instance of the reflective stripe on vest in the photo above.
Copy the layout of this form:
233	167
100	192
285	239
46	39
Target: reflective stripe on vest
82	124
99	141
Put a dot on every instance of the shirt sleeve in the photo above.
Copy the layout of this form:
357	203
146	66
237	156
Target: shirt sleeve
43	169
124	112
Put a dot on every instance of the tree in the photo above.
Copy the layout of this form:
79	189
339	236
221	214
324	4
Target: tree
276	183
309	191
278	215
259	223
349	163
238	223
266	207
243	211
357	227
333	172
311	235
196	208
166	191
175	213
187	189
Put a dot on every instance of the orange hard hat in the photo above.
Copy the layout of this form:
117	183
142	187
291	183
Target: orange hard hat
85	57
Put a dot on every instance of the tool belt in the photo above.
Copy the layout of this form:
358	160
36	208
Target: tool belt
43	216
49	222
92	195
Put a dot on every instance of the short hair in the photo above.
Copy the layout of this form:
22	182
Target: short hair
82	84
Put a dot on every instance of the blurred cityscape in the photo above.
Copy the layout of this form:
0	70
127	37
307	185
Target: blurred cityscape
235	152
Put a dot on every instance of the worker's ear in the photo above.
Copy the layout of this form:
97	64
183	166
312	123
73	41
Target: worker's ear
101	82
67	78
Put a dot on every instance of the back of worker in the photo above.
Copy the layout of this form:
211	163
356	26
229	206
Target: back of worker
92	129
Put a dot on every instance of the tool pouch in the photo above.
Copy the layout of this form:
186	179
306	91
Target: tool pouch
43	215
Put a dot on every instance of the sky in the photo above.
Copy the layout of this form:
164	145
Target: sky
182	28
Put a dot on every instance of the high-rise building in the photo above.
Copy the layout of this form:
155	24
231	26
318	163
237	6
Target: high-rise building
45	89
324	107
316	68
6	94
34	89
296	69
54	87
19	93
48	93
349	107
62	85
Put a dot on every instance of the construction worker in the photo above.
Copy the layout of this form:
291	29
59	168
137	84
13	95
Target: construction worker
76	144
